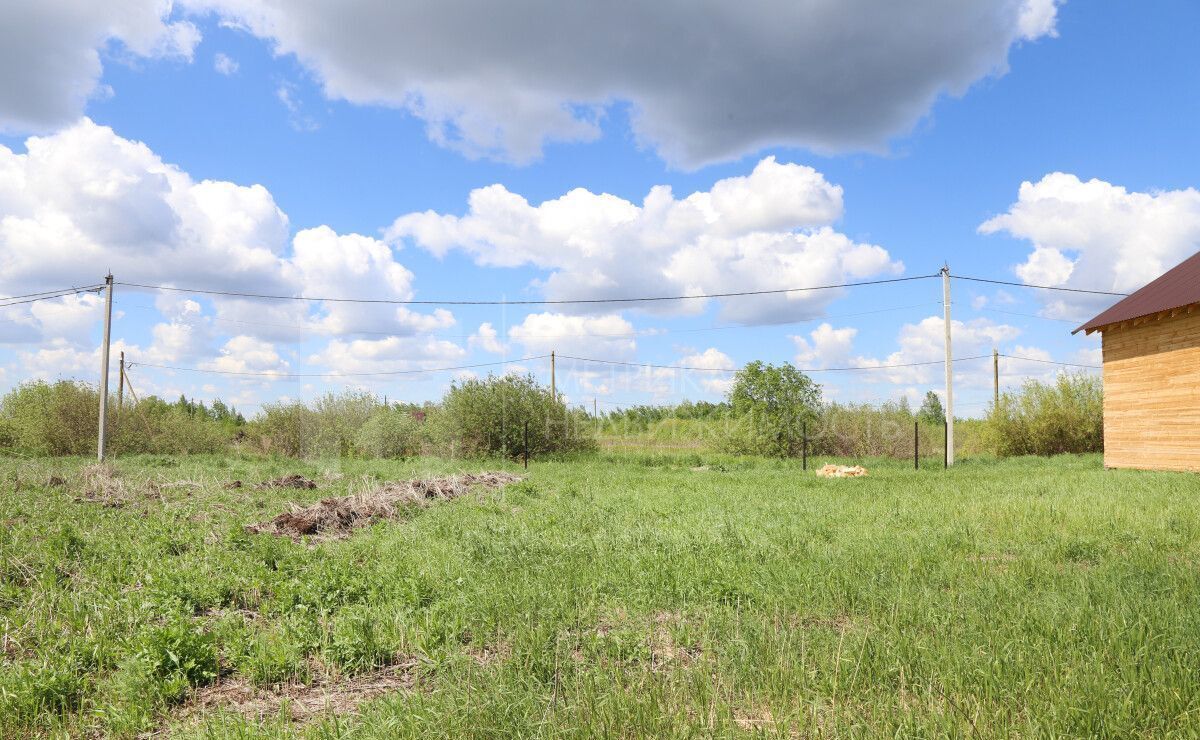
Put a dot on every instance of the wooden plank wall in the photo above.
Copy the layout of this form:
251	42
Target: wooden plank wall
1152	394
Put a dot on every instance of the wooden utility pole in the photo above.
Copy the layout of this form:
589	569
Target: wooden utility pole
949	369
553	388
995	379
104	354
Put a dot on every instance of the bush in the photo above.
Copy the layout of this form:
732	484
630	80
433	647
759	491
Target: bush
390	433
329	426
488	417
155	426
1049	419
864	430
59	418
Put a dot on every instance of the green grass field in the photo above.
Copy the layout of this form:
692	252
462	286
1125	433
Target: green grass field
619	596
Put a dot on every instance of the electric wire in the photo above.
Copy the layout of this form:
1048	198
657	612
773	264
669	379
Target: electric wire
46	295
1053	362
803	370
1039	287
282	375
541	302
1030	315
639	333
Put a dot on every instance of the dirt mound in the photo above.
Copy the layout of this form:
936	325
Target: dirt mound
339	517
841	471
288	481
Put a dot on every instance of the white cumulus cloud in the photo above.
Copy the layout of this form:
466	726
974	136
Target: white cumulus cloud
486	338
826	346
225	64
767	230
607	337
1094	235
924	342
86	200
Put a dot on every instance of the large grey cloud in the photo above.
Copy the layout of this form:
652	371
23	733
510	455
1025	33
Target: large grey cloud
707	79
50	52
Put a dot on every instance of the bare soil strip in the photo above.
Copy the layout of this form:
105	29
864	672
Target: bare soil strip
341	695
335	518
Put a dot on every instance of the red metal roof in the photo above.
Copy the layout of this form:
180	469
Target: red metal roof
1179	286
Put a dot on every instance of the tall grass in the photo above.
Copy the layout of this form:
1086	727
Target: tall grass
608	597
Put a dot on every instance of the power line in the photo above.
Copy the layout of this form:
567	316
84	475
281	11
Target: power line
543	302
803	370
46	295
1053	362
56	290
1039	287
332	375
638	333
1030	315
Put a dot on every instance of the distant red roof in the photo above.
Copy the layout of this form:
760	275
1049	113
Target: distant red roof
1179	286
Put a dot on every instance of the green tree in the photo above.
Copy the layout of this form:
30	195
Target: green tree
932	411
771	403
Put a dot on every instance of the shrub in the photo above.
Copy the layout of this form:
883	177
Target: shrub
390	433
865	430
488	417
1049	418
62	419
285	428
155	426
329	426
52	418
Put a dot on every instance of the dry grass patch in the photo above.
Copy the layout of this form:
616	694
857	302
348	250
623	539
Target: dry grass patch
102	485
299	701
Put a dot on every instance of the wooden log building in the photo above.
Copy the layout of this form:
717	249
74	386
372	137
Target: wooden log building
1151	346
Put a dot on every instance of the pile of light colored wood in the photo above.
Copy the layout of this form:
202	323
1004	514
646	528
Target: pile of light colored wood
841	471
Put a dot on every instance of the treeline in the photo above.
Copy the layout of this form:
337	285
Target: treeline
771	410
775	410
475	418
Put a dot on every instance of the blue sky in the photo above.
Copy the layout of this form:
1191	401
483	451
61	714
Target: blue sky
387	171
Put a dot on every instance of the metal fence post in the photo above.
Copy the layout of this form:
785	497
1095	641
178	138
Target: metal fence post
527	445
916	445
946	445
804	444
